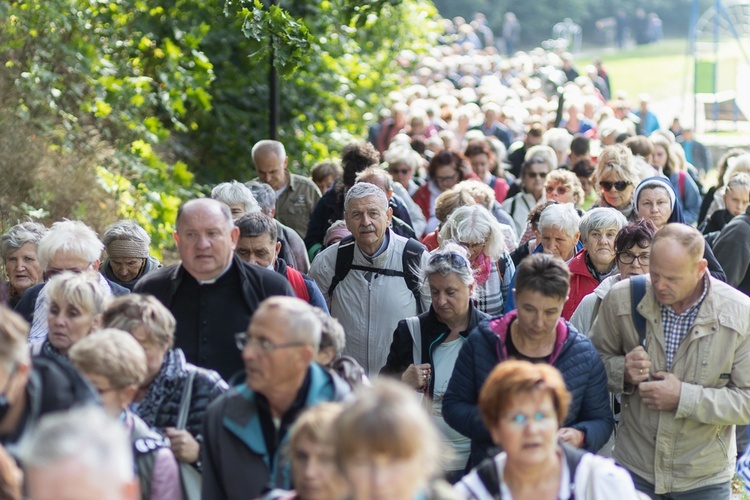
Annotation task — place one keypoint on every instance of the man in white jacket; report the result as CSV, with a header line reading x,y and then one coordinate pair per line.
x,y
373,296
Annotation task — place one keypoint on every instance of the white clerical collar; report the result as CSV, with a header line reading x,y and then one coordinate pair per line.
x,y
213,280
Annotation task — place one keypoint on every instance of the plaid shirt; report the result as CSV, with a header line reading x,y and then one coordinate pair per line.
x,y
676,326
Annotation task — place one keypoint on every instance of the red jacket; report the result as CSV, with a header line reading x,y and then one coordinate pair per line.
x,y
423,198
582,283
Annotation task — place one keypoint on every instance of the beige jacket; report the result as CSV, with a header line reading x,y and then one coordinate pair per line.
x,y
295,205
693,446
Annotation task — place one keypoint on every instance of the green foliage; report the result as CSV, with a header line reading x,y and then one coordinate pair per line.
x,y
351,54
127,73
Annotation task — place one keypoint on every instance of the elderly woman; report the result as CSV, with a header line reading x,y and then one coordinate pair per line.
x,y
533,173
127,259
632,257
596,261
616,177
482,160
445,204
436,337
157,400
311,455
446,169
564,187
484,196
403,162
18,253
523,405
76,303
533,332
478,231
387,447
656,200
664,160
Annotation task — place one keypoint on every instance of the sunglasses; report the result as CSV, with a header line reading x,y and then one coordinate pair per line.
x,y
538,175
456,261
559,190
399,171
619,185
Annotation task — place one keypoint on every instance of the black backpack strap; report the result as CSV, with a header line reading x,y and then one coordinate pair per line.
x,y
573,457
344,258
487,473
411,261
637,291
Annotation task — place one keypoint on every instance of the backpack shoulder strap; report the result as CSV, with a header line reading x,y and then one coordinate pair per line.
x,y
410,262
487,473
415,329
637,291
573,457
344,258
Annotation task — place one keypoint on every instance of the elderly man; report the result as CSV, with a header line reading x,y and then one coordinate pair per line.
x,y
368,278
681,360
67,246
245,429
211,293
128,258
296,196
293,249
30,392
80,455
259,245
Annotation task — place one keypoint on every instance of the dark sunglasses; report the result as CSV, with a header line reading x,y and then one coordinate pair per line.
x,y
619,185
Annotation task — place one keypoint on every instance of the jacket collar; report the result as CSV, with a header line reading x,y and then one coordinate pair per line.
x,y
501,328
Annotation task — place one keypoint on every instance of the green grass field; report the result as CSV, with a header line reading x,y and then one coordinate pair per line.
x,y
662,70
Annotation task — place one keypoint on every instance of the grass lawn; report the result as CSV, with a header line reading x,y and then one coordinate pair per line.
x,y
658,69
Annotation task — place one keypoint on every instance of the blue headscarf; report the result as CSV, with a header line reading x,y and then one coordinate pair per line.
x,y
662,182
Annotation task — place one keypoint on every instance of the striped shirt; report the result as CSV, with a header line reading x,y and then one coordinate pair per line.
x,y
677,326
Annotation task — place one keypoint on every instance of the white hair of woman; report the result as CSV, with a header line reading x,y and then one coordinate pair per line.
x,y
235,193
475,224
69,236
562,216
601,218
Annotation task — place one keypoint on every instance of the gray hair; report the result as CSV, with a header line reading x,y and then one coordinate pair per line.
x,y
302,323
475,224
376,172
332,334
69,236
264,195
558,139
442,262
86,436
235,193
125,230
741,180
601,218
562,216
542,154
404,155
267,146
362,190
257,224
18,236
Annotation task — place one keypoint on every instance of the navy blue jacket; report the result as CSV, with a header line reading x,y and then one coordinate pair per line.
x,y
574,355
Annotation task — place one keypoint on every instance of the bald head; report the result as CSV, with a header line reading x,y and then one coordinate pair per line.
x,y
687,237
205,206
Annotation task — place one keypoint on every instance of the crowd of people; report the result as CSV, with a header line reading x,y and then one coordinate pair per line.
x,y
503,294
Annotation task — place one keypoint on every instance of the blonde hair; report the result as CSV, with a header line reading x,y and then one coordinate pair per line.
x,y
569,180
133,311
618,159
81,290
112,354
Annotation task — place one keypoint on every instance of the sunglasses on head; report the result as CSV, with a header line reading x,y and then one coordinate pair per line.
x,y
456,261
619,185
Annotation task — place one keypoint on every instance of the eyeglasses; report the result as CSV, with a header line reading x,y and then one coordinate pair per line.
x,y
520,420
473,247
241,340
446,178
456,261
399,171
619,185
629,258
559,190
538,175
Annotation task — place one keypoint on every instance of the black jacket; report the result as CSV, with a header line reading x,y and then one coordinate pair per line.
x,y
53,386
209,315
434,333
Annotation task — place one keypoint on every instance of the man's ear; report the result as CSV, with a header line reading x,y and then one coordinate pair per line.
x,y
235,236
95,265
176,237
277,249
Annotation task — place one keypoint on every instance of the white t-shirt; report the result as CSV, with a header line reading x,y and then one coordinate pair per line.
x,y
444,358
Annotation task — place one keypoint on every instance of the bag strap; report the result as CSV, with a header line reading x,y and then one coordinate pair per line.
x,y
410,263
415,329
344,258
573,457
487,473
187,395
637,292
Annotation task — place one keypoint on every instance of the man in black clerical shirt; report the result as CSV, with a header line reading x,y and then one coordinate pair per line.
x,y
211,293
